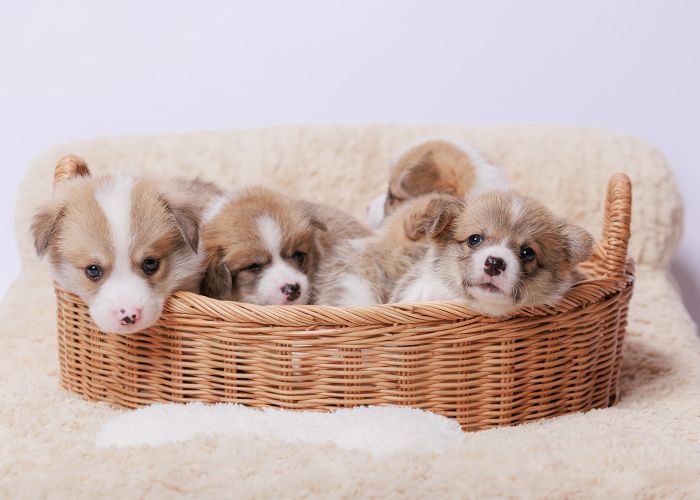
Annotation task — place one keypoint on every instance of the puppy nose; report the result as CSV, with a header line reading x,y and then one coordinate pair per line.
x,y
291,290
128,315
494,265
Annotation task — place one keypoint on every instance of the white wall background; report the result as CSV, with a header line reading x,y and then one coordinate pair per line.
x,y
72,70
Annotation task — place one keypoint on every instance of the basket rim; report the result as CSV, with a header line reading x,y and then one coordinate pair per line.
x,y
605,287
581,295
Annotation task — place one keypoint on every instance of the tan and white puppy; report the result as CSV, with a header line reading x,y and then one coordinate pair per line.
x,y
364,271
122,243
497,251
264,247
443,166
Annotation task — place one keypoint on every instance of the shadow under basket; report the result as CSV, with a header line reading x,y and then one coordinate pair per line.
x,y
438,356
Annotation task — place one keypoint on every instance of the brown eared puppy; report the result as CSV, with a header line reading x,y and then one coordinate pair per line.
x,y
364,271
122,243
497,251
264,247
442,166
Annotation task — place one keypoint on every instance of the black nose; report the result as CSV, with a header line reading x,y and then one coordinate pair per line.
x,y
291,290
494,265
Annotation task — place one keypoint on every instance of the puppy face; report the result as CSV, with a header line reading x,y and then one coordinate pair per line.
x,y
431,167
261,248
120,244
509,251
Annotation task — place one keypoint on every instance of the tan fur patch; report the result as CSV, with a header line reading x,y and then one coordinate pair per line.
x,y
155,233
74,232
83,236
432,215
431,167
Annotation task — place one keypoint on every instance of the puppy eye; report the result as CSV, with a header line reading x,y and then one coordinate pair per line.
x,y
527,254
150,265
299,257
474,240
253,268
93,271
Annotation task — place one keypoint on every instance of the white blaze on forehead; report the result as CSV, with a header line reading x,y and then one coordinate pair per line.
x,y
114,199
215,207
516,210
271,235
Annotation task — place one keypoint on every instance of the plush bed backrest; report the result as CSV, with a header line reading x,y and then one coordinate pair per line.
x,y
565,167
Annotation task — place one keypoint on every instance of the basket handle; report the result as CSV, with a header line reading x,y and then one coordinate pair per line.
x,y
616,227
68,167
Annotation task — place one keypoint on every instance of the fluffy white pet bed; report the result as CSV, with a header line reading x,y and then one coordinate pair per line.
x,y
53,443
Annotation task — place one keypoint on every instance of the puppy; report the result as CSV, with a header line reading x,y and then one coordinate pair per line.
x,y
364,271
121,243
497,251
435,166
263,247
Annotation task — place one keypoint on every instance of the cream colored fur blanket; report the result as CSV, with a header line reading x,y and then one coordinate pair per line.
x,y
648,445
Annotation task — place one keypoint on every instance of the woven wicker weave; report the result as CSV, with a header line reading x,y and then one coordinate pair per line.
x,y
437,356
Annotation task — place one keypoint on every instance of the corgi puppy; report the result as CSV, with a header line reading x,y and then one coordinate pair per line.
x,y
263,247
121,243
435,166
364,271
497,251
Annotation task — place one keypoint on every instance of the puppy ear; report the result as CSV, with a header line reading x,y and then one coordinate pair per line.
x,y
318,223
420,178
579,243
217,281
69,167
186,220
436,219
45,226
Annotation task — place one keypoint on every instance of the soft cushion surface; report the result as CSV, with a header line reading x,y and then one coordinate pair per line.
x,y
648,444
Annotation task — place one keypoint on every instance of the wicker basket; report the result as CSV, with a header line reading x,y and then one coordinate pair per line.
x,y
438,356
